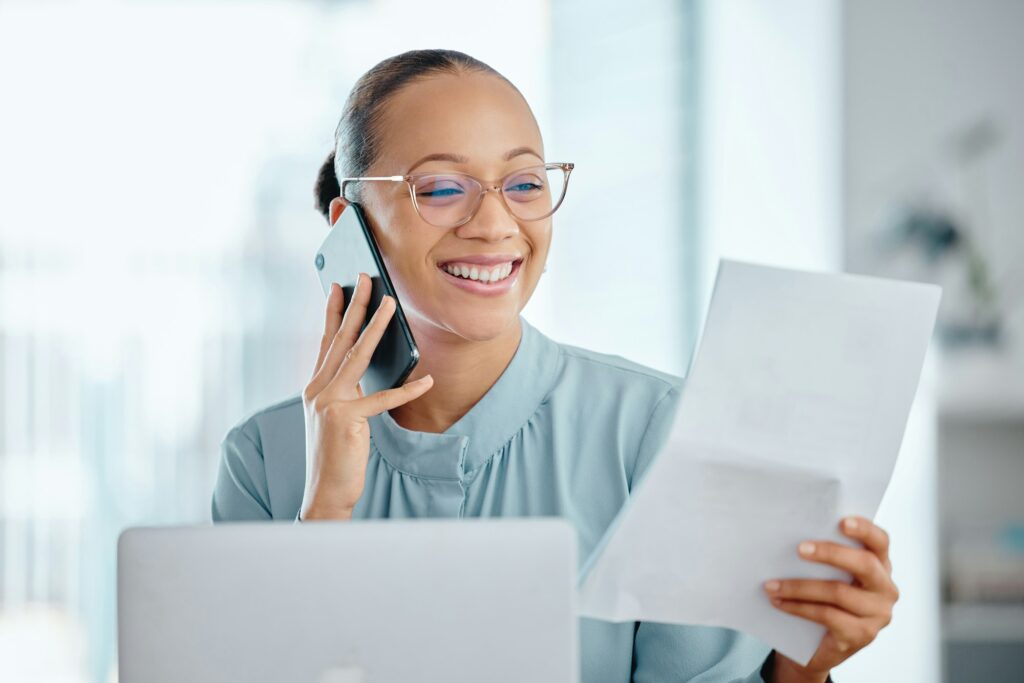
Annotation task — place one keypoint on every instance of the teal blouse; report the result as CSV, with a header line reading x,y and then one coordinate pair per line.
x,y
563,431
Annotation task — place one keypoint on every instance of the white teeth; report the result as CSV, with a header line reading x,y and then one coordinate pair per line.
x,y
481,274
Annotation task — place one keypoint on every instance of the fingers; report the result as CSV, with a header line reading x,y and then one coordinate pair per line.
x,y
848,631
853,613
871,535
865,566
378,402
344,337
335,304
357,358
853,599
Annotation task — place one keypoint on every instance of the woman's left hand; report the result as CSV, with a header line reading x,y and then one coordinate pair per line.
x,y
853,613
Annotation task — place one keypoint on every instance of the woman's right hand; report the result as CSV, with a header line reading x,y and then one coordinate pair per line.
x,y
336,411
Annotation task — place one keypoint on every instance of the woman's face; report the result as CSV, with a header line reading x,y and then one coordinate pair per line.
x,y
481,118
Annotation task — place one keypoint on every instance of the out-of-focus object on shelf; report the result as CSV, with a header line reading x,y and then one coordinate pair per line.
x,y
983,620
986,566
940,229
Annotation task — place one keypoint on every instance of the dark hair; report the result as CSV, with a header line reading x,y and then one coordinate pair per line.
x,y
357,138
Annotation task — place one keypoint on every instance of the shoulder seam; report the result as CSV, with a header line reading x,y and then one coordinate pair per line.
x,y
283,403
255,495
649,372
240,428
643,438
255,414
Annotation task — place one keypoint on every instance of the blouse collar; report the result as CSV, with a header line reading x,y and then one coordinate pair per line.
x,y
516,395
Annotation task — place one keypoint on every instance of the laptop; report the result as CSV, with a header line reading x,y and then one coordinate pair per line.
x,y
376,601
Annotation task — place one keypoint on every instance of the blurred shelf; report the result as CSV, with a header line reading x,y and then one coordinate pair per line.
x,y
981,386
982,621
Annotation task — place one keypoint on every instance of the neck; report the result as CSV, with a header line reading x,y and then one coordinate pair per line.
x,y
463,371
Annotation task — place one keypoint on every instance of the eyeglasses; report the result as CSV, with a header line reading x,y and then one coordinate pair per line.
x,y
448,200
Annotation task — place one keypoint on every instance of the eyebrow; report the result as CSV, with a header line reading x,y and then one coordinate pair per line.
x,y
460,159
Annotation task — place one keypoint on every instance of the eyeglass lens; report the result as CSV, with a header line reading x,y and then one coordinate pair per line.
x,y
531,194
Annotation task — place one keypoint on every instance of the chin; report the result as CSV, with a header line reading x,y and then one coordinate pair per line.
x,y
482,325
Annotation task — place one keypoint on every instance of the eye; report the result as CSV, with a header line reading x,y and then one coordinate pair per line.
x,y
440,189
441,192
437,190
524,185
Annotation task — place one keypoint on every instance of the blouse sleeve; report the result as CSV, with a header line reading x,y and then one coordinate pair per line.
x,y
241,490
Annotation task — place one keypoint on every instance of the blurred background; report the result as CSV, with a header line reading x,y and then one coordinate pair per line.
x,y
157,234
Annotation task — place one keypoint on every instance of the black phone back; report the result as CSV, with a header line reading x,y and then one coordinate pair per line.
x,y
348,250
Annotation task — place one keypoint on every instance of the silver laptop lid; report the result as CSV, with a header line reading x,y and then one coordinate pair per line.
x,y
349,602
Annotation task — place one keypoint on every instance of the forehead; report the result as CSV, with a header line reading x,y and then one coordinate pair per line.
x,y
479,116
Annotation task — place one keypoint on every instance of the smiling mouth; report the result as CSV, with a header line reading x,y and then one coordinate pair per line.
x,y
484,274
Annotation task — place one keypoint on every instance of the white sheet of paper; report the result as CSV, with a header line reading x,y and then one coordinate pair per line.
x,y
791,417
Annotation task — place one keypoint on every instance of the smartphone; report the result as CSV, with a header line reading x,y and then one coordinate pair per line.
x,y
349,249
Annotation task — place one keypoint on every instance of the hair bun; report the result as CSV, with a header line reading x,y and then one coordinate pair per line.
x,y
326,187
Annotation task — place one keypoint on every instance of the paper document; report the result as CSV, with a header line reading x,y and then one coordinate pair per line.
x,y
791,417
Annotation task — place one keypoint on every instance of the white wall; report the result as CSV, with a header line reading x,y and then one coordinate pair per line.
x,y
618,276
769,133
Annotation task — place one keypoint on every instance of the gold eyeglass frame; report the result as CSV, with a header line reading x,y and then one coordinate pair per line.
x,y
410,181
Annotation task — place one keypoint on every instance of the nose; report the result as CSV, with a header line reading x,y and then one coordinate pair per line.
x,y
492,221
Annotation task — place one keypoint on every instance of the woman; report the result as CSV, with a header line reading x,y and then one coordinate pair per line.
x,y
497,419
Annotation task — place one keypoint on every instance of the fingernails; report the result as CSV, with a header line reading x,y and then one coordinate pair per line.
x,y
850,524
806,548
772,585
424,379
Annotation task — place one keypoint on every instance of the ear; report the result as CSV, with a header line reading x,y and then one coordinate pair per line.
x,y
335,208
